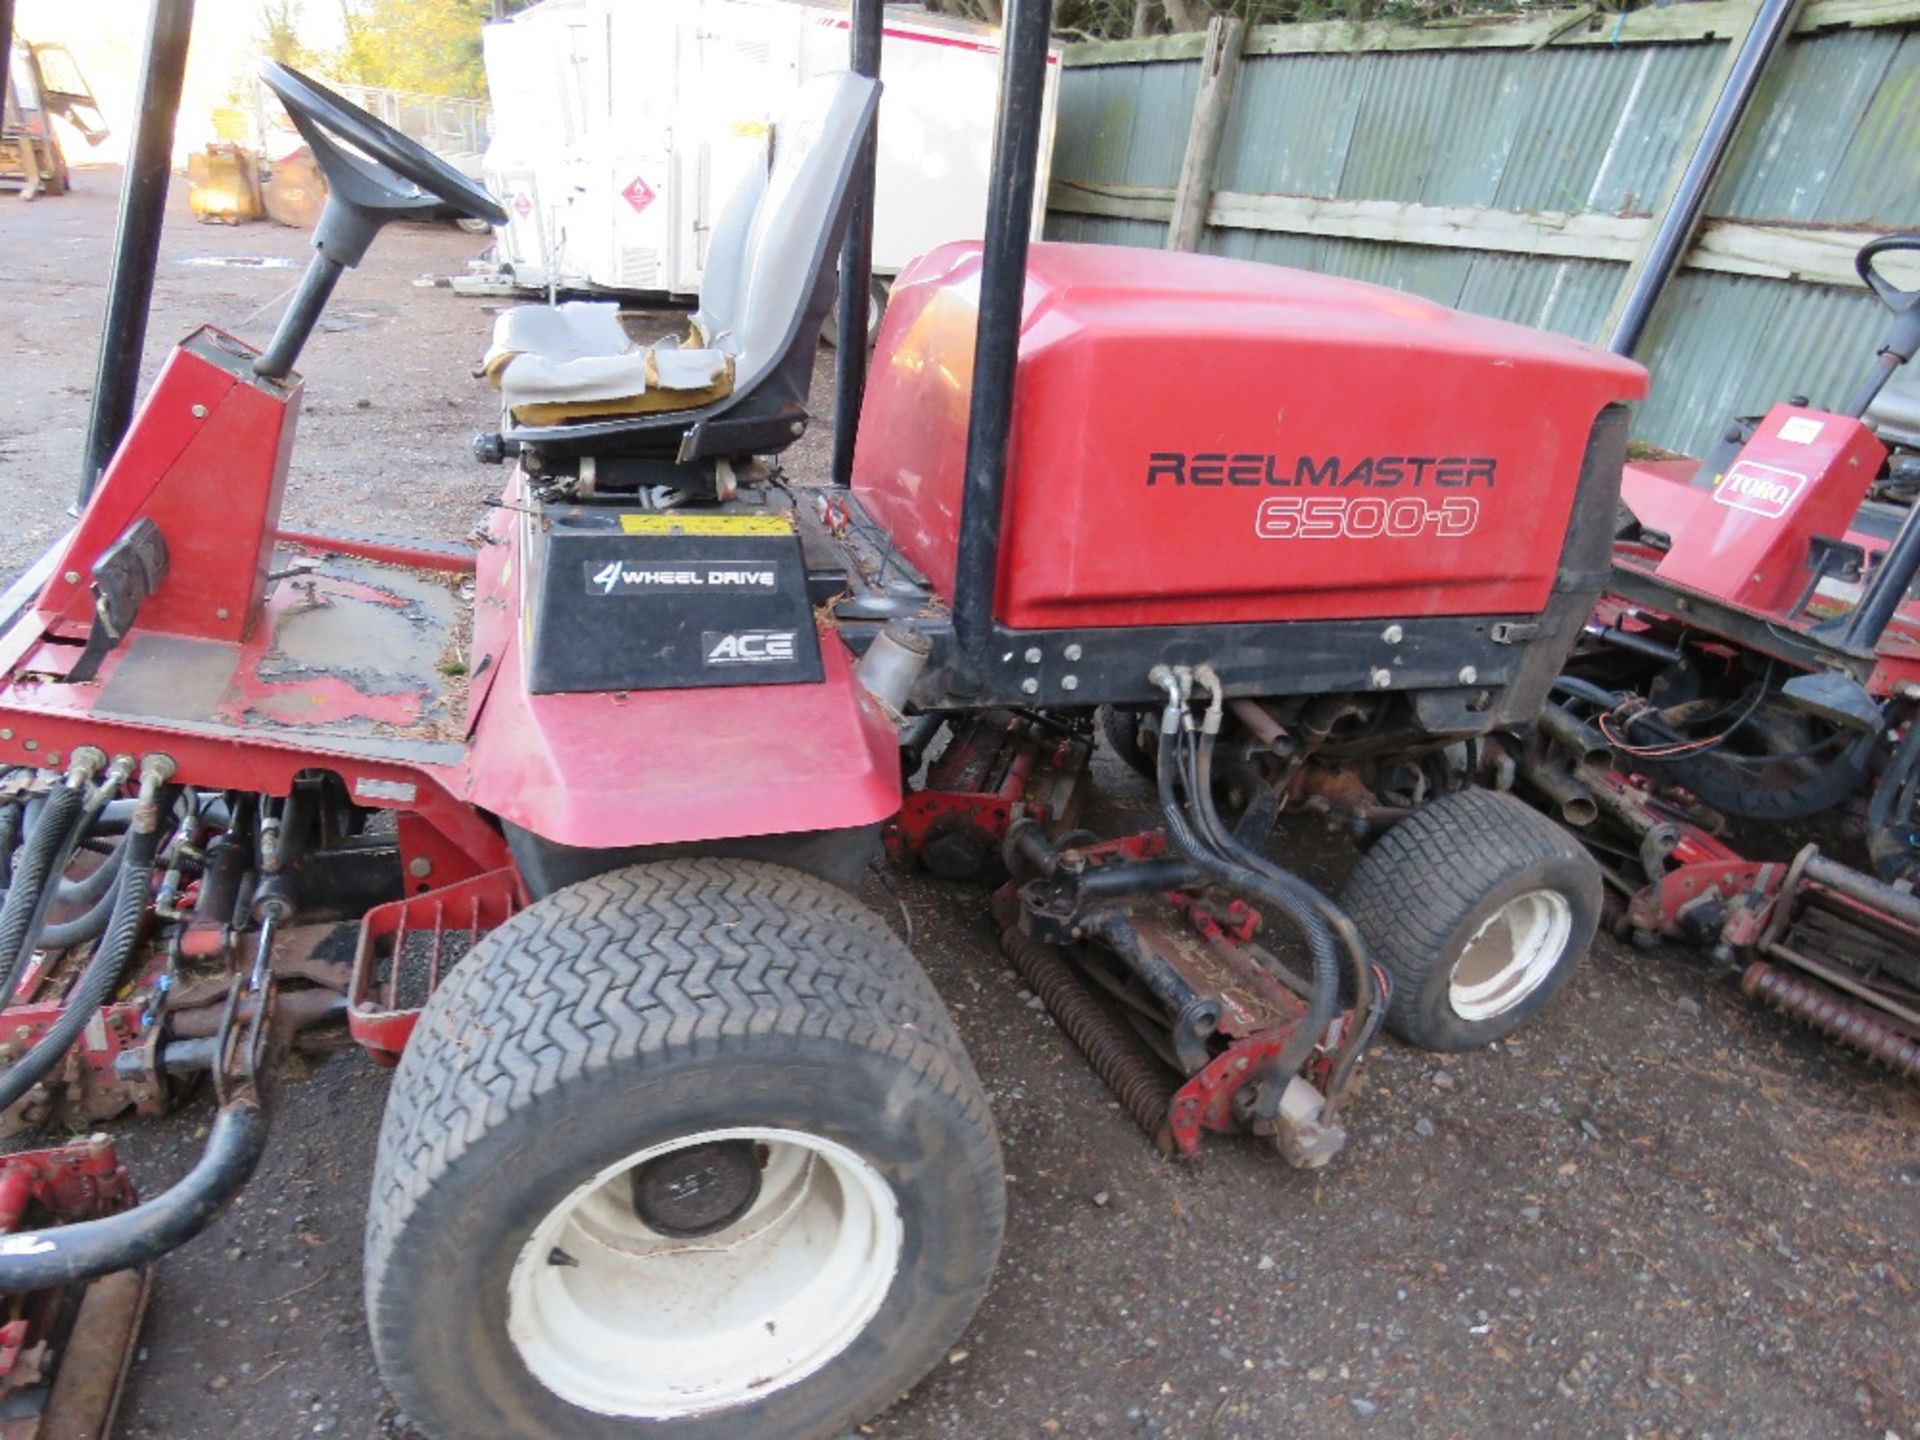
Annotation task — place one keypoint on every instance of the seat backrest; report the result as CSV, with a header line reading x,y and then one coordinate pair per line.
x,y
723,280
770,279
791,244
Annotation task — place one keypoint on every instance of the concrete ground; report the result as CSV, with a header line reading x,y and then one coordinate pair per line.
x,y
1657,1212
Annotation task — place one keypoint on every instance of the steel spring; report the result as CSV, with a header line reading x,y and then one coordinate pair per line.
x,y
1825,1011
1138,1080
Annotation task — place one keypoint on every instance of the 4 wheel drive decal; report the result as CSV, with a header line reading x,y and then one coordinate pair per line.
x,y
1364,517
623,577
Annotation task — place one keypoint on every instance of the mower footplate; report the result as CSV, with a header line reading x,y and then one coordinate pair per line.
x,y
350,655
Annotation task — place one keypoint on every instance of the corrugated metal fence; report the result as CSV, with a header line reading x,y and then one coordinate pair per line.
x,y
1507,168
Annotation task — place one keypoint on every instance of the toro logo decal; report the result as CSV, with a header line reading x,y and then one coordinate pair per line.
x,y
1759,489
638,194
747,647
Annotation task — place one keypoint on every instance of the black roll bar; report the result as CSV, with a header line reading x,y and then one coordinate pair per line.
x,y
1003,280
136,245
6,47
865,28
1674,236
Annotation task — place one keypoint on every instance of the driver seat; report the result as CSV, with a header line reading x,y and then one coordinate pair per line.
x,y
572,384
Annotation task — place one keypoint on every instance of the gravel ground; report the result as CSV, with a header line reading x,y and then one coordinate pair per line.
x,y
1659,1212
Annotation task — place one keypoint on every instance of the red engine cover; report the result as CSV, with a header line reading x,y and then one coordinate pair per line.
x,y
1199,440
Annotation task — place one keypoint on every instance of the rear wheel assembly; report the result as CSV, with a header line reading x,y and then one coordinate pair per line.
x,y
1480,909
688,1149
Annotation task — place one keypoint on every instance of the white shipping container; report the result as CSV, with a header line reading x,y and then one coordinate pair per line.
x,y
621,129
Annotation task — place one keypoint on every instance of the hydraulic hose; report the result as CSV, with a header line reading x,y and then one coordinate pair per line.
x,y
94,884
44,855
1369,999
65,934
9,840
29,817
1231,848
42,1259
103,971
1325,1001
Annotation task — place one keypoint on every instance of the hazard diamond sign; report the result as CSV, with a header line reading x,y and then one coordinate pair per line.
x,y
523,205
638,194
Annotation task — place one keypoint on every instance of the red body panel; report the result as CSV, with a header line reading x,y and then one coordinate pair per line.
x,y
234,679
620,769
1756,558
1803,474
1199,440
221,445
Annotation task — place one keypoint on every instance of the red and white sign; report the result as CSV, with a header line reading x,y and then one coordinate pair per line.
x,y
638,194
522,206
1763,490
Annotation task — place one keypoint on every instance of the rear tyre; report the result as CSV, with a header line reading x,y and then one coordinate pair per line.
x,y
1122,730
1480,909
686,1150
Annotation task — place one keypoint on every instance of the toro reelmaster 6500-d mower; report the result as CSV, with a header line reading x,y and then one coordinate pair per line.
x,y
681,1141
1755,669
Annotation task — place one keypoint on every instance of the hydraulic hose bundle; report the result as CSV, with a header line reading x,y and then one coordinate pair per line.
x,y
38,839
1200,834
128,890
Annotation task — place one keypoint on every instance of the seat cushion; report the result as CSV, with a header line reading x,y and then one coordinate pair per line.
x,y
560,363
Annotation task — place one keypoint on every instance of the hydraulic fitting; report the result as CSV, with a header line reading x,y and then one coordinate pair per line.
x,y
84,764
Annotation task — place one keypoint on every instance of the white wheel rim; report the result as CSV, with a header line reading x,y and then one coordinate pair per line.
x,y
1511,955
647,1326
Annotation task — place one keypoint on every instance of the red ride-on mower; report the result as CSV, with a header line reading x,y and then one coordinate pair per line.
x,y
681,1140
1755,665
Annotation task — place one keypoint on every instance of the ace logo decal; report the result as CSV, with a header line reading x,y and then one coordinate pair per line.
x,y
747,647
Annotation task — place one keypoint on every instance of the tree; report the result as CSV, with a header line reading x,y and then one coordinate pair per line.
x,y
430,46
280,33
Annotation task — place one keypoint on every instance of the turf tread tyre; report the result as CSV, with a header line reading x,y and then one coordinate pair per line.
x,y
677,963
1731,788
1121,730
1427,884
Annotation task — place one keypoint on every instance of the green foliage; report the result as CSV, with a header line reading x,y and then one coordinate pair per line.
x,y
279,35
1116,19
429,46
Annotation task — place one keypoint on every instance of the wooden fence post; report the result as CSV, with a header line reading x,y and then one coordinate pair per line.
x,y
1219,66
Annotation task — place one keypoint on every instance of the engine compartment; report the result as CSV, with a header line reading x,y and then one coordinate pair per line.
x,y
1207,441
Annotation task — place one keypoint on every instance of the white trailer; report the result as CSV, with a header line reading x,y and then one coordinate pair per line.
x,y
620,130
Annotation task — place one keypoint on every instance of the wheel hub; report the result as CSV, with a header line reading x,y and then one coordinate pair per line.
x,y
1513,953
787,1245
699,1190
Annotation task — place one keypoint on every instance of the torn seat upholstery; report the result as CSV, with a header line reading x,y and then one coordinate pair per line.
x,y
573,361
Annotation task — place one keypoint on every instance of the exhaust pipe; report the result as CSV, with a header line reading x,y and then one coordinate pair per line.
x,y
1573,801
1579,739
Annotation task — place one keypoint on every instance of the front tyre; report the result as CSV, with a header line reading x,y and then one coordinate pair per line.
x,y
686,1150
1480,908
